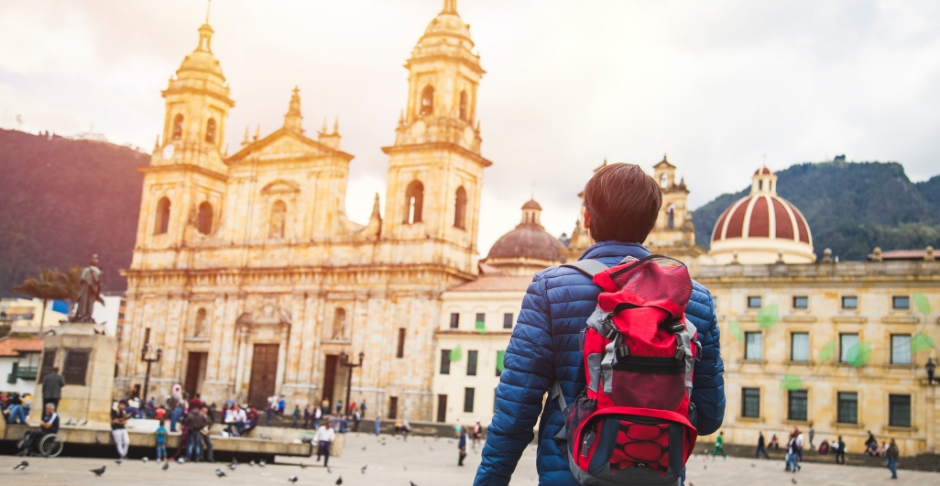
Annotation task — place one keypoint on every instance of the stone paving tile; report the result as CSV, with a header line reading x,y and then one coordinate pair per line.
x,y
425,461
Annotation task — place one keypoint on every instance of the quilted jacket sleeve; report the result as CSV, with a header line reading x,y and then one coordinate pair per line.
x,y
526,377
708,387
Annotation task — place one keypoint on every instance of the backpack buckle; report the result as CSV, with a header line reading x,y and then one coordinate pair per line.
x,y
622,351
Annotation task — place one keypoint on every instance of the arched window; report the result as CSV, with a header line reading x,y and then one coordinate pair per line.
x,y
210,131
664,181
414,200
178,127
463,105
460,209
339,324
204,222
278,219
671,219
427,101
199,328
162,224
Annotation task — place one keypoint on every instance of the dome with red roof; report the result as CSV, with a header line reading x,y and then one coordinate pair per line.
x,y
762,228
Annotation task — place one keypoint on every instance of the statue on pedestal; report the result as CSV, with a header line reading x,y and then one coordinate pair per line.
x,y
89,293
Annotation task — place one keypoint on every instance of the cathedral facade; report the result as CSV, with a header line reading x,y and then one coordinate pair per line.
x,y
247,272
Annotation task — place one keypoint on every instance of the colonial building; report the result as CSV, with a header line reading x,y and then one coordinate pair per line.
x,y
248,273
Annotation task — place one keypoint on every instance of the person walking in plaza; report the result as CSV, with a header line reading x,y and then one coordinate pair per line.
x,y
295,415
812,434
839,449
931,367
799,445
119,418
621,207
362,407
461,446
160,439
196,421
339,407
720,445
324,437
357,417
308,415
477,433
761,449
891,461
52,388
317,414
378,423
792,465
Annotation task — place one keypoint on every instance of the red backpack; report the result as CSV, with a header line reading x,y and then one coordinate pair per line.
x,y
632,425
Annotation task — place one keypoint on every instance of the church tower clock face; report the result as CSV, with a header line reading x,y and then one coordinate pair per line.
x,y
168,151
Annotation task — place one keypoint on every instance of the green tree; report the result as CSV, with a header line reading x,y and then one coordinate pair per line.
x,y
48,284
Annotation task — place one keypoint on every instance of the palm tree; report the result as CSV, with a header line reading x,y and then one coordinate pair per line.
x,y
49,284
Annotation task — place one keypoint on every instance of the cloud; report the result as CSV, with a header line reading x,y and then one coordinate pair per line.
x,y
716,85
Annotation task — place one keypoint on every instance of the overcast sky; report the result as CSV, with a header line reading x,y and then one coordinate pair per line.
x,y
716,85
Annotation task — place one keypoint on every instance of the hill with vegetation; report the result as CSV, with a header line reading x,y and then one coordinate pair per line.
x,y
851,207
61,201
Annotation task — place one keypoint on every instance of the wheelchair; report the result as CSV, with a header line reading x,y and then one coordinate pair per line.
x,y
49,445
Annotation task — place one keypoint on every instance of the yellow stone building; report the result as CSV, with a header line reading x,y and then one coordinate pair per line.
x,y
247,271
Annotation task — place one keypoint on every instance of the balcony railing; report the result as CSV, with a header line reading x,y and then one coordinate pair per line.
x,y
22,373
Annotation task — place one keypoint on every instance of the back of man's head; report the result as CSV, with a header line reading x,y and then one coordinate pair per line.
x,y
622,202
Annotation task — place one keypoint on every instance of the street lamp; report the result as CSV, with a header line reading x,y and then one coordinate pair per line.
x,y
344,361
148,356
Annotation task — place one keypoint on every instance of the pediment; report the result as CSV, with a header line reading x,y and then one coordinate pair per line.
x,y
285,145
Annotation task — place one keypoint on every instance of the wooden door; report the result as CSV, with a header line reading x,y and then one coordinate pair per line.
x,y
195,372
442,408
329,378
263,375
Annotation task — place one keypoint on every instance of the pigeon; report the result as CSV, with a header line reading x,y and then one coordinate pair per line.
x,y
792,480
252,463
219,473
264,437
98,472
412,483
303,466
363,470
328,470
261,463
232,466
84,423
340,480
235,461
22,465
69,422
292,479
144,459
166,465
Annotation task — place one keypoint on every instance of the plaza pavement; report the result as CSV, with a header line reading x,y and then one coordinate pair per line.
x,y
425,461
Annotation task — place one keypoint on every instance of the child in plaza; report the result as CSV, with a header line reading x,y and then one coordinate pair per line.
x,y
160,435
720,445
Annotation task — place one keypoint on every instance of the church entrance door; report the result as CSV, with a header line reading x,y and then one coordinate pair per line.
x,y
263,375
329,379
195,372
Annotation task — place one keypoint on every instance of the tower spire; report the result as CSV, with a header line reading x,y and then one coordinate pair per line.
x,y
293,119
208,5
450,6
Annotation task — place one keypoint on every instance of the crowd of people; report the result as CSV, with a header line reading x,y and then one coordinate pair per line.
x,y
797,441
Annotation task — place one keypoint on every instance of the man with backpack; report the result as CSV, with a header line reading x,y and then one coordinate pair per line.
x,y
639,389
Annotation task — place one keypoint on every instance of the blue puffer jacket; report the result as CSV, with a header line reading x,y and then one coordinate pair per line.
x,y
545,347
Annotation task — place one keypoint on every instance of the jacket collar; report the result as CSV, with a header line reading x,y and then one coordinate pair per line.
x,y
614,248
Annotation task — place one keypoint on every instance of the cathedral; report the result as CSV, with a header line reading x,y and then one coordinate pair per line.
x,y
250,277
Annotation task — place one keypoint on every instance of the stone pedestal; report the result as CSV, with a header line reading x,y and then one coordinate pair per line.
x,y
87,361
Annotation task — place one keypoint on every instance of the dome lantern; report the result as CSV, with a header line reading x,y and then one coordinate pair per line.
x,y
528,248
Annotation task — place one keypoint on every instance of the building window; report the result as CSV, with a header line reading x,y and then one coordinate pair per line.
x,y
177,127
463,105
799,346
414,200
750,402
76,366
460,209
204,221
899,410
210,131
427,101
846,341
850,302
500,362
796,405
200,328
278,219
481,320
454,320
400,353
468,400
48,363
753,344
671,216
507,320
471,363
392,407
753,302
847,412
901,302
162,224
801,302
445,361
901,349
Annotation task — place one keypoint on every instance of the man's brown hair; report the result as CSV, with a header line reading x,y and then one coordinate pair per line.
x,y
623,202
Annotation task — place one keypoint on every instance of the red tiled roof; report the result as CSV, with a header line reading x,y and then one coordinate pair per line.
x,y
760,220
900,255
782,223
495,283
14,346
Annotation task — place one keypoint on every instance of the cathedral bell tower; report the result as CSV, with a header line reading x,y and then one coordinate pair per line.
x,y
184,183
435,171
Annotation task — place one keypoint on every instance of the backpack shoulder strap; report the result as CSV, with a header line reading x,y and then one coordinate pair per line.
x,y
588,267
